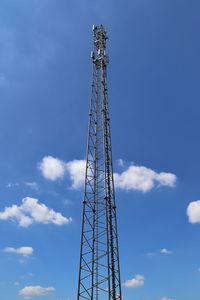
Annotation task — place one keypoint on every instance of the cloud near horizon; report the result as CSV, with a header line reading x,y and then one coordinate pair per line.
x,y
32,211
138,178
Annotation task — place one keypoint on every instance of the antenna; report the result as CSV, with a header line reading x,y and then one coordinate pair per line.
x,y
99,272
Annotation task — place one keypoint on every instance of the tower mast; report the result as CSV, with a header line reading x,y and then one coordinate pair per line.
x,y
99,272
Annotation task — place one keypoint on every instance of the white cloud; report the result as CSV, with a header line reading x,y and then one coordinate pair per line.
x,y
162,251
166,298
135,282
76,169
30,211
30,291
138,178
134,178
25,251
143,179
52,168
165,251
193,212
32,185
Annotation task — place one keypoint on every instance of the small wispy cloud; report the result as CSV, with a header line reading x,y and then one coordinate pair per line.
x,y
27,275
166,298
165,251
32,185
37,291
12,184
120,162
24,251
150,254
66,202
135,282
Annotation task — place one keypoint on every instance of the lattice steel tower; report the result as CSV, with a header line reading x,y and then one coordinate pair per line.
x,y
99,273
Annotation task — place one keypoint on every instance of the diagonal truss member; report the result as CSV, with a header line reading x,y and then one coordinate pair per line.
x,y
99,273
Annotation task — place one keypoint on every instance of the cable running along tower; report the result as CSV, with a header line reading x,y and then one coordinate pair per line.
x,y
99,273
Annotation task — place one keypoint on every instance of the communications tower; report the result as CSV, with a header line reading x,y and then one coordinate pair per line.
x,y
99,272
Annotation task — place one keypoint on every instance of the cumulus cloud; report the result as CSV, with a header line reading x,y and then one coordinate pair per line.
x,y
143,179
135,282
24,251
37,290
52,168
76,169
30,211
193,212
137,178
165,251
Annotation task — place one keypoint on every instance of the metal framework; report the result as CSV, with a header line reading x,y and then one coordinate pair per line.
x,y
99,273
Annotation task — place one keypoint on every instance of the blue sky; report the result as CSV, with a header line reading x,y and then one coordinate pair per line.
x,y
153,76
